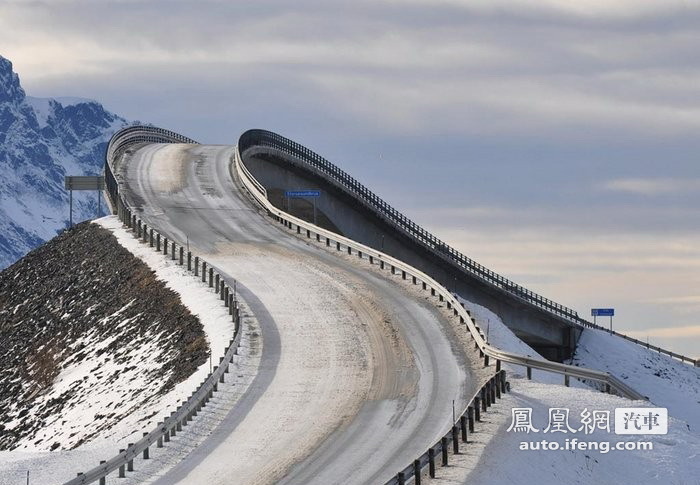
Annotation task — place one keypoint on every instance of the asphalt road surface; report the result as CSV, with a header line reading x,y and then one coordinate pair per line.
x,y
358,375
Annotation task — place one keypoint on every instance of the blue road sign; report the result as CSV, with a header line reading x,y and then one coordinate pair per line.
x,y
602,312
302,193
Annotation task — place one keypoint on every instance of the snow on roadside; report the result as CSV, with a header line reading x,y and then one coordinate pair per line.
x,y
58,466
495,456
673,459
665,381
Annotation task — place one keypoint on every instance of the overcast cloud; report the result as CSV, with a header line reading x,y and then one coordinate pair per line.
x,y
556,143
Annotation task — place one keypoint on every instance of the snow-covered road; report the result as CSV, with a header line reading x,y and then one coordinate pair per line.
x,y
357,375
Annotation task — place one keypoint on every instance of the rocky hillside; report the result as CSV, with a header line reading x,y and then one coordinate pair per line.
x,y
89,335
41,141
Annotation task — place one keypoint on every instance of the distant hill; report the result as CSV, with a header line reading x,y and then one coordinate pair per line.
x,y
41,140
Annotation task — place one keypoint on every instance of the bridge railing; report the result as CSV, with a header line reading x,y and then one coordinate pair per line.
x,y
188,410
256,139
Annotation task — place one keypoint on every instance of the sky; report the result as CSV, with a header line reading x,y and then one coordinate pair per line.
x,y
556,142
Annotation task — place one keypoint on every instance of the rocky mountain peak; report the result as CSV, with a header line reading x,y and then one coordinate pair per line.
x,y
41,141
10,89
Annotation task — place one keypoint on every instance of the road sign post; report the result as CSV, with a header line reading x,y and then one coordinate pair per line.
x,y
92,182
603,312
303,194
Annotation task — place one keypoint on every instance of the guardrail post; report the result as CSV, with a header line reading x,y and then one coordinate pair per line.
x,y
172,250
359,254
432,291
122,473
607,388
470,417
133,222
172,430
431,462
145,450
337,246
308,234
165,246
497,385
226,300
529,373
221,293
492,390
485,403
211,277
130,463
425,286
103,480
150,238
138,231
381,264
158,242
182,255
486,360
566,380
159,443
403,275
196,265
463,426
416,472
401,477
166,436
477,409
371,260
455,439
349,250
204,271
443,442
498,366
415,282
189,261
328,242
145,232
216,284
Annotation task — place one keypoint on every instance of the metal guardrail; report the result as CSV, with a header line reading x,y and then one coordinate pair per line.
x,y
171,425
255,139
460,430
610,382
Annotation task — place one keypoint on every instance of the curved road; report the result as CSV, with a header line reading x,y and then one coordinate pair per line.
x,y
357,376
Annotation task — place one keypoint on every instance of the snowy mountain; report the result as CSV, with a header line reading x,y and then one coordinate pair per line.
x,y
41,141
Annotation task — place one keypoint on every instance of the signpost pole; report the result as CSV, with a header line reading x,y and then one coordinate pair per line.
x,y
70,191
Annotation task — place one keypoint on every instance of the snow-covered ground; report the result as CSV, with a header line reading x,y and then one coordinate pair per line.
x,y
665,381
495,457
56,467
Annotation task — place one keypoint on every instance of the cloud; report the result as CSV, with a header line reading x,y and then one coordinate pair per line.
x,y
652,187
667,332
506,68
